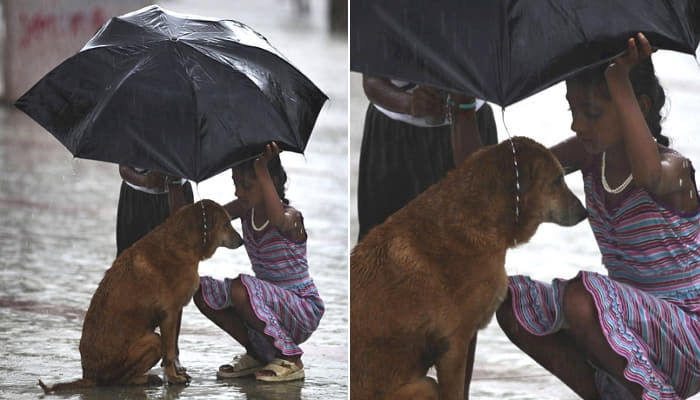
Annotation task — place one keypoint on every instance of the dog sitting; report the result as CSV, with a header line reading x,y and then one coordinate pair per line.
x,y
147,286
433,273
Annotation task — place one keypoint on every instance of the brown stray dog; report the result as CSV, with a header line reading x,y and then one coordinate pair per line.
x,y
433,273
147,286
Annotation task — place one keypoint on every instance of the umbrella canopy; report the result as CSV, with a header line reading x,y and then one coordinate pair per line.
x,y
185,96
506,50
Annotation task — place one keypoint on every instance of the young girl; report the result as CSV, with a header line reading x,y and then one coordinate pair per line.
x,y
634,333
270,313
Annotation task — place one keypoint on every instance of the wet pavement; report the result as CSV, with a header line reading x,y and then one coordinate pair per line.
x,y
57,236
501,370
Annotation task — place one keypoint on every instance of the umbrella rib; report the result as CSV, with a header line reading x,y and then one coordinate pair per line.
x,y
424,49
265,45
505,51
196,126
90,45
686,22
577,23
89,119
207,54
177,47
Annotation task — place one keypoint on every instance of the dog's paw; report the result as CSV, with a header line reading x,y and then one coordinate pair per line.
x,y
178,379
154,380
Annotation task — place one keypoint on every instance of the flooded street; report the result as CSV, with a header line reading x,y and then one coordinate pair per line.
x,y
58,223
501,370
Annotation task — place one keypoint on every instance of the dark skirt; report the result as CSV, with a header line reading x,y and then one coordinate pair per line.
x,y
138,213
398,161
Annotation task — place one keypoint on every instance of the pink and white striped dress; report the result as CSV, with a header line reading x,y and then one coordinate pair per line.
x,y
648,304
282,293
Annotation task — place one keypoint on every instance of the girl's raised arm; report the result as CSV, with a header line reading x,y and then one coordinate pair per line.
x,y
288,221
666,175
641,148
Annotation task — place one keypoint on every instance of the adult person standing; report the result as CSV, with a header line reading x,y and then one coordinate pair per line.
x,y
146,199
408,143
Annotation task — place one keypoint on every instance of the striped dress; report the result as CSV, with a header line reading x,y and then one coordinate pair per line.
x,y
648,304
282,293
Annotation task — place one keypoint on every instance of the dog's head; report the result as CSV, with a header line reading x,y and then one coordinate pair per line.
x,y
215,227
543,193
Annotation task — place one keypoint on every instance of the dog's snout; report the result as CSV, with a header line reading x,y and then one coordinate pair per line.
x,y
233,240
573,211
576,214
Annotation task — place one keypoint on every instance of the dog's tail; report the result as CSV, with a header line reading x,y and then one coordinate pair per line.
x,y
79,384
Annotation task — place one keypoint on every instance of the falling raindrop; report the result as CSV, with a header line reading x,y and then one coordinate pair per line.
x,y
681,182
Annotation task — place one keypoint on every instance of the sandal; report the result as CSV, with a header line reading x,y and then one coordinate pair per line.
x,y
283,370
241,365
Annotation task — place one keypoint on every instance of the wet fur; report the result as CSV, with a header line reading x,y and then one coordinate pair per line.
x,y
147,286
426,279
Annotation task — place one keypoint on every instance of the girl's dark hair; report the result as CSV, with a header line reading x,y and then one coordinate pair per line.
x,y
277,173
644,82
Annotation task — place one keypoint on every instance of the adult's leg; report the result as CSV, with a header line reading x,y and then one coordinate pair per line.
x,y
398,161
137,214
557,352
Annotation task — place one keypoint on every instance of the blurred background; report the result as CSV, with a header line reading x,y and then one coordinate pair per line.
x,y
58,214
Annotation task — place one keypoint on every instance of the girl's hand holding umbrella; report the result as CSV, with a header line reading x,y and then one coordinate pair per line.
x,y
273,205
271,150
637,50
639,145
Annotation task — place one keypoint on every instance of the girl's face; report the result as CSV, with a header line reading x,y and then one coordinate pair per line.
x,y
248,190
594,118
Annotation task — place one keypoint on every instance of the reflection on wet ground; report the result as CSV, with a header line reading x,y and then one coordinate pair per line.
x,y
57,237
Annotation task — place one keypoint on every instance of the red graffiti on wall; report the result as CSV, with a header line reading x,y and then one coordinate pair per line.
x,y
34,26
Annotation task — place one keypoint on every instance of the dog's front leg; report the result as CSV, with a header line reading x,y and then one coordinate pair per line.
x,y
168,333
451,368
470,366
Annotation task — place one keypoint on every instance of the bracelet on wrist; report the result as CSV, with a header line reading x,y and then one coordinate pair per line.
x,y
454,108
169,181
461,106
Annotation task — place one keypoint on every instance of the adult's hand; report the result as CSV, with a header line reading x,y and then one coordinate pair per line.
x,y
427,102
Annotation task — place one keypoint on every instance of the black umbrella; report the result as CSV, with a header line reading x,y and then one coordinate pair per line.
x,y
186,96
506,50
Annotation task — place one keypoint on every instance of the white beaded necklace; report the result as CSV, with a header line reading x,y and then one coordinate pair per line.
x,y
607,187
252,221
